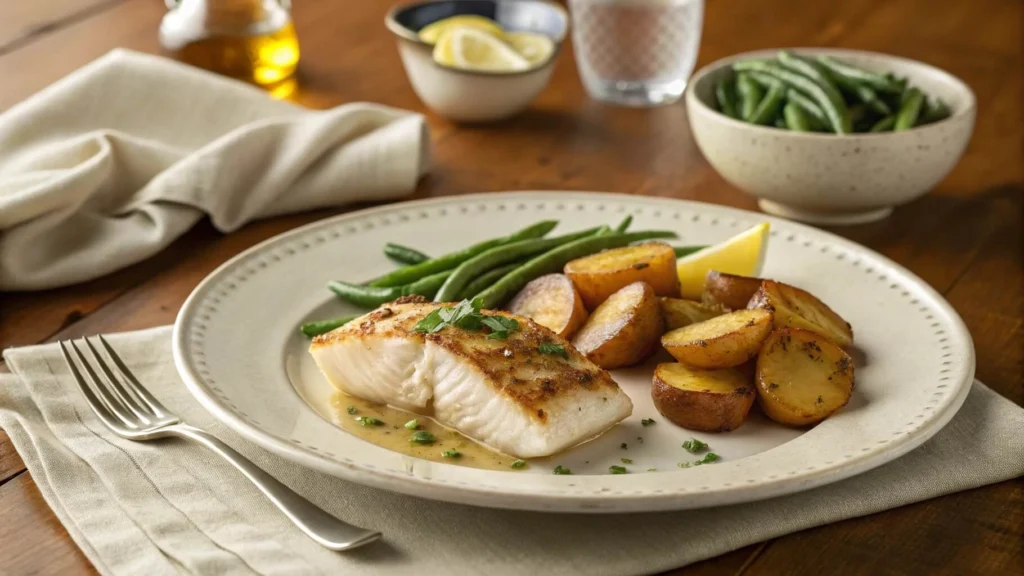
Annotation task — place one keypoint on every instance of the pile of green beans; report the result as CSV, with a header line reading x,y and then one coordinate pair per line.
x,y
822,94
494,270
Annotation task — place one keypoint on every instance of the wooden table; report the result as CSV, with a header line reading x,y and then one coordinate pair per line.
x,y
964,238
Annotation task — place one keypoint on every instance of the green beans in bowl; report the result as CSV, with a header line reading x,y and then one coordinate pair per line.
x,y
829,136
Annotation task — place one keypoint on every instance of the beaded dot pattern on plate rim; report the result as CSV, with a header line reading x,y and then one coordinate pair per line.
x,y
245,267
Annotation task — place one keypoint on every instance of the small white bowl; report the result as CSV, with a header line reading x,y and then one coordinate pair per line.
x,y
826,178
475,96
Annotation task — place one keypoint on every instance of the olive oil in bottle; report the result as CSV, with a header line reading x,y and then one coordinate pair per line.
x,y
250,40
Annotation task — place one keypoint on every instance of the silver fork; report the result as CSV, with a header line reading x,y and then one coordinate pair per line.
x,y
131,412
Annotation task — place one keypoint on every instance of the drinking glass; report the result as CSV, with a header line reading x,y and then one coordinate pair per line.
x,y
636,52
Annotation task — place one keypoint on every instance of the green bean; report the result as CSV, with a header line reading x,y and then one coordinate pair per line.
x,y
796,119
750,93
835,110
909,111
884,125
365,296
813,70
934,111
312,329
404,254
857,113
624,224
553,261
470,269
373,296
451,260
875,81
863,93
808,106
725,93
768,109
684,251
486,279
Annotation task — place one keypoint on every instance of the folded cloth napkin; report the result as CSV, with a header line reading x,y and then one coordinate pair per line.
x,y
113,162
172,507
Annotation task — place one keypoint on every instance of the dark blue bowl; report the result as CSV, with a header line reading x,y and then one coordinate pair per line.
x,y
513,15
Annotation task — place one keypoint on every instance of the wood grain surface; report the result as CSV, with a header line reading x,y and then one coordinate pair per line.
x,y
965,238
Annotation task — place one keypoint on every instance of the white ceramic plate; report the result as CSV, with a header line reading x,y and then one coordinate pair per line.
x,y
237,346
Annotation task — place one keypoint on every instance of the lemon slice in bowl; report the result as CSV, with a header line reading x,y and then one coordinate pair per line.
x,y
743,254
432,32
536,48
472,49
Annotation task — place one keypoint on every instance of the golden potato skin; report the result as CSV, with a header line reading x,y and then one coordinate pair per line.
x,y
679,312
728,291
553,302
698,399
624,329
600,275
802,377
721,342
796,308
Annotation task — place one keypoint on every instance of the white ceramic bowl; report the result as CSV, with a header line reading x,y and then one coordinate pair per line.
x,y
826,178
475,96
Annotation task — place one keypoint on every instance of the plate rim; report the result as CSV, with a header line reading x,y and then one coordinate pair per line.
x,y
567,502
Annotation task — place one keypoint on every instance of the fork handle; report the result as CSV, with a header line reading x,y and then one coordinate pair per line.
x,y
325,529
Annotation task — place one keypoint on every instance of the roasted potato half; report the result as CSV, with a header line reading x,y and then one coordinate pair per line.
x,y
553,302
796,308
721,342
698,399
600,275
728,291
802,377
624,329
679,313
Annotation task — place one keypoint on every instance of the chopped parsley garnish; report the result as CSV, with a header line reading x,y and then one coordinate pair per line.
x,y
423,437
562,471
352,410
623,446
413,424
552,349
695,446
519,464
652,469
707,459
500,326
451,454
626,460
467,316
369,421
647,422
617,469
641,265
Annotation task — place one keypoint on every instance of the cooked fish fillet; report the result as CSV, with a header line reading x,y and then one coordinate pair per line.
x,y
505,394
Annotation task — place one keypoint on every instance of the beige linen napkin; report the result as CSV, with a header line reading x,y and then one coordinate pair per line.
x,y
110,164
172,507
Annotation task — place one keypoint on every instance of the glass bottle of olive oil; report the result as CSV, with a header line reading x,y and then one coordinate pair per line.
x,y
251,40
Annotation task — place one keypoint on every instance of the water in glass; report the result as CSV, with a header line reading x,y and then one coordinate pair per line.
x,y
636,52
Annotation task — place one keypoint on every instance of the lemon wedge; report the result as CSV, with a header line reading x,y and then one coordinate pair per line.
x,y
472,49
743,254
536,48
432,32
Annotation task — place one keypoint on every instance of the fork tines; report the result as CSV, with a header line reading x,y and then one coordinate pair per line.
x,y
118,400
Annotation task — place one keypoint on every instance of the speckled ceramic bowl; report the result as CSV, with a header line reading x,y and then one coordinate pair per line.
x,y
825,178
470,95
